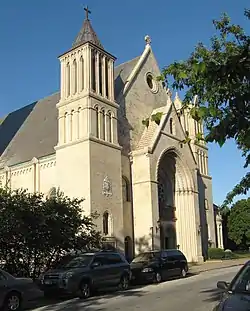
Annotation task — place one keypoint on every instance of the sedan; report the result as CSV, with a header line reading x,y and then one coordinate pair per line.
x,y
236,295
15,292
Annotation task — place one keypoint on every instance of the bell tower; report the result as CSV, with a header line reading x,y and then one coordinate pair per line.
x,y
88,153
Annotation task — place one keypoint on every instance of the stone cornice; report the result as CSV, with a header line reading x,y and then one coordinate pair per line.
x,y
85,139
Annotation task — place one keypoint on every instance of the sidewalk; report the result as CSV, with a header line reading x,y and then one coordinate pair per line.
x,y
217,264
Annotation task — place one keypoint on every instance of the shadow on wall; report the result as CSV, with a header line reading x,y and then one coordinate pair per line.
x,y
11,124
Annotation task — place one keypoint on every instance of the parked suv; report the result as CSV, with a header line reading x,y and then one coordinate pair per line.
x,y
156,266
87,272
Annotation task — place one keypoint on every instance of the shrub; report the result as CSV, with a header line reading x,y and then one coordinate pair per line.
x,y
216,253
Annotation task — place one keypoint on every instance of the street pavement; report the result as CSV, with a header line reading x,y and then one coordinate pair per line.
x,y
194,293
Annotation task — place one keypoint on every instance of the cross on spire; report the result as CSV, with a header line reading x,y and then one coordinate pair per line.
x,y
86,9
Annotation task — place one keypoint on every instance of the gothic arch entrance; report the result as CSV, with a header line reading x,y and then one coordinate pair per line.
x,y
176,204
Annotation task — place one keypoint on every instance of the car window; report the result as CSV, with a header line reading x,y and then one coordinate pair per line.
x,y
242,282
113,259
80,261
100,259
144,257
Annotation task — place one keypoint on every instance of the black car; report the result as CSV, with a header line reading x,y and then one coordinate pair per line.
x,y
87,272
236,296
156,266
16,292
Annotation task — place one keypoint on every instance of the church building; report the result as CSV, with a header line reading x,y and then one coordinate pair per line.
x,y
89,140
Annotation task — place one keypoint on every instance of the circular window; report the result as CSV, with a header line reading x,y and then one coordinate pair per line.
x,y
152,84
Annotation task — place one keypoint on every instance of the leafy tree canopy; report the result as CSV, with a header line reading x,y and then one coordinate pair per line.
x,y
239,223
219,77
36,232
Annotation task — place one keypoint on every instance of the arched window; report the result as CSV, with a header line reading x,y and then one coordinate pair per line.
x,y
93,70
107,77
52,193
68,78
82,72
97,121
171,126
105,223
100,74
109,127
66,129
75,76
102,124
125,189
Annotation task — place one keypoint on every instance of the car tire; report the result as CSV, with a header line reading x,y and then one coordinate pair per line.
x,y
157,277
124,282
84,290
12,302
183,272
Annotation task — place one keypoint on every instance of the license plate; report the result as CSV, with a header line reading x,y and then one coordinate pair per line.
x,y
48,282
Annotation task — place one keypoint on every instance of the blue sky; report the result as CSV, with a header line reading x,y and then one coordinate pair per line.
x,y
34,33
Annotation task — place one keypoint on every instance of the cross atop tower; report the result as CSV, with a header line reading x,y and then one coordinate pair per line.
x,y
86,9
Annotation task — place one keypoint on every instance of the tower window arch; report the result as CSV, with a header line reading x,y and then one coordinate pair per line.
x,y
125,189
93,70
68,78
107,223
96,121
171,126
52,193
100,74
102,124
109,127
82,73
75,76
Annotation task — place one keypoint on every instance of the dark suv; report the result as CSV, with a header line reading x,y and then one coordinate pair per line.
x,y
156,266
87,272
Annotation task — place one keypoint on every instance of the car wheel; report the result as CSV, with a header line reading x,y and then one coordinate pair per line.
x,y
157,277
12,302
124,282
84,290
183,272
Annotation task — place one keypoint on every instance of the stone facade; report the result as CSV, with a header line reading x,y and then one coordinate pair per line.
x,y
151,190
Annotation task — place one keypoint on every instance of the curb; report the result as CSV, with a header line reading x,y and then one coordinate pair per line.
x,y
217,268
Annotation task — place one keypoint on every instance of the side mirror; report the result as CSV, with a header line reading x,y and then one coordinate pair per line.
x,y
95,265
222,285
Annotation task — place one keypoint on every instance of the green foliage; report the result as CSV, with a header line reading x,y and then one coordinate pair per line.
x,y
154,118
239,223
220,78
36,232
215,253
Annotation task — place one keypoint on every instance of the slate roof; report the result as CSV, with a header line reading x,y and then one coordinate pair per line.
x,y
32,131
87,34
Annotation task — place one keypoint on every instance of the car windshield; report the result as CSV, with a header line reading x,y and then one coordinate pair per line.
x,y
242,283
144,257
80,261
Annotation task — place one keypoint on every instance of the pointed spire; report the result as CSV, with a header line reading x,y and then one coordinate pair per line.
x,y
87,33
177,101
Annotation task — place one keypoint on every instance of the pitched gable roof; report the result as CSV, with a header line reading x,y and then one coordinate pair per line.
x,y
32,131
36,136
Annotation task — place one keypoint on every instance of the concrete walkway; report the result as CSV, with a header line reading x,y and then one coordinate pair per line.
x,y
217,264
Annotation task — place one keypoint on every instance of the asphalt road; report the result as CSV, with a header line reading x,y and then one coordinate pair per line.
x,y
195,293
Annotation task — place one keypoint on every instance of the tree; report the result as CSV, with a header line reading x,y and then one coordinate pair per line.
x,y
219,77
35,233
239,223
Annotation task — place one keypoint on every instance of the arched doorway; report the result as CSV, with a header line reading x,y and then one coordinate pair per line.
x,y
166,200
177,209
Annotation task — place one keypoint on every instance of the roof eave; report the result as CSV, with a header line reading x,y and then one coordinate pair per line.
x,y
92,45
